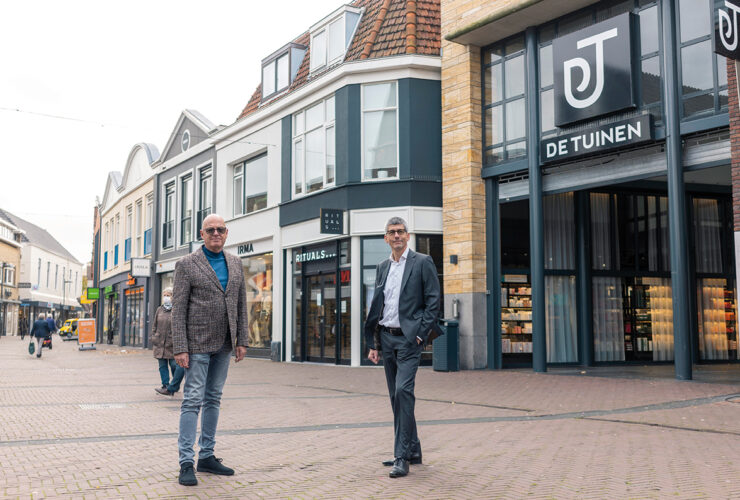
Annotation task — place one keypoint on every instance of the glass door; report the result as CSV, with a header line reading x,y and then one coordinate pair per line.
x,y
321,318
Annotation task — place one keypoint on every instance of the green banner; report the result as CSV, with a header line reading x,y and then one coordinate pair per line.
x,y
108,289
93,293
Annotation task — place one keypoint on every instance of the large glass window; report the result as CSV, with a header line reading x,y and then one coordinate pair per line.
x,y
313,148
186,209
129,230
258,280
505,118
238,189
703,73
148,221
379,131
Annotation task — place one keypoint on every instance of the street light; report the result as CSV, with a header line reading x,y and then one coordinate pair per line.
x,y
64,296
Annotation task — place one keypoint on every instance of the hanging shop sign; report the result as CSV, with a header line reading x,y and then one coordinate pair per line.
x,y
726,30
93,293
593,70
332,221
597,139
141,268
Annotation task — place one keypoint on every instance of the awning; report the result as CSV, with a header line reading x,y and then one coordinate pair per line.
x,y
513,19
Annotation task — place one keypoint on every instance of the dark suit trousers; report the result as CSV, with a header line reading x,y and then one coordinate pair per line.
x,y
401,361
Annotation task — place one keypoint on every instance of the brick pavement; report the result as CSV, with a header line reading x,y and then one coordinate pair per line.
x,y
89,425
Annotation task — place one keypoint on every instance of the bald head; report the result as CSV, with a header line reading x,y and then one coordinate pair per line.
x,y
214,232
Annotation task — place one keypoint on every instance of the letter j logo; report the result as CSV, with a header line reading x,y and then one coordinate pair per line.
x,y
580,62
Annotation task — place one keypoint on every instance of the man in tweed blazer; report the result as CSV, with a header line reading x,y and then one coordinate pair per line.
x,y
209,318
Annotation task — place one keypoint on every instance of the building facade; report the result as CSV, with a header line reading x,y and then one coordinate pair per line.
x,y
126,236
184,195
50,278
588,183
342,134
10,264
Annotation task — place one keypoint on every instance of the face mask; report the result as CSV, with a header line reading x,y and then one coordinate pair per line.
x,y
167,300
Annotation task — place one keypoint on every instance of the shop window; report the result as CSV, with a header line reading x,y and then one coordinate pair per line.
x,y
314,163
703,73
380,131
504,109
258,280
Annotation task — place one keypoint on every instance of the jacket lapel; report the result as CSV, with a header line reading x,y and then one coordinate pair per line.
x,y
231,266
385,266
407,268
205,266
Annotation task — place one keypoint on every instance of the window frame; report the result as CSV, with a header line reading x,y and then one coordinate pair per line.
x,y
181,208
325,125
170,183
242,175
205,173
716,89
504,100
362,132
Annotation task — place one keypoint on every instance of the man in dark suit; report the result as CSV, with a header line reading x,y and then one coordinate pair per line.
x,y
209,318
402,313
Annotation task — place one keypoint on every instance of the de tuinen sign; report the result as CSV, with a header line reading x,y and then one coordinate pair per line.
x,y
594,76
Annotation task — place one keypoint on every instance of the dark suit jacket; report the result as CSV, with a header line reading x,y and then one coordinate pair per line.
x,y
40,328
203,313
418,304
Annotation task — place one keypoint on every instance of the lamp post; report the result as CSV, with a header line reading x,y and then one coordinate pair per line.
x,y
64,297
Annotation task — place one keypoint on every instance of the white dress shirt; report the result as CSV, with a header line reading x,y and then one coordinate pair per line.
x,y
392,291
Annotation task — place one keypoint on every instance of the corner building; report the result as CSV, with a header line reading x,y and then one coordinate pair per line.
x,y
342,133
588,186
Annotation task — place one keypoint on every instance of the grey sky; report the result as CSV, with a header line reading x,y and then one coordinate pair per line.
x,y
121,72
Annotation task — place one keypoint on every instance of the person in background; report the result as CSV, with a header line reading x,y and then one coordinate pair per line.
x,y
52,325
162,338
22,327
162,346
40,330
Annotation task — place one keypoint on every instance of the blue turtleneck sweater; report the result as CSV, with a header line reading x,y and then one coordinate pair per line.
x,y
218,263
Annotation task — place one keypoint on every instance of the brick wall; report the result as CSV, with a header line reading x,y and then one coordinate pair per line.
x,y
734,141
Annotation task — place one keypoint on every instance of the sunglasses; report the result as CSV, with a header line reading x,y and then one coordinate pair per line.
x,y
211,230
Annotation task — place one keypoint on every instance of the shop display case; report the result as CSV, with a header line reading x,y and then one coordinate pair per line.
x,y
516,319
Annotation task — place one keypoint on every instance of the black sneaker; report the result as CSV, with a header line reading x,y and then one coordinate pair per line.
x,y
187,475
213,465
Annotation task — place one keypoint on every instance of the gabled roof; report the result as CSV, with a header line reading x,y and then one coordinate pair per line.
x,y
37,236
205,126
387,28
112,185
152,154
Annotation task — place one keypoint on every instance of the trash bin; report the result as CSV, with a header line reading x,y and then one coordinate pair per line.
x,y
446,348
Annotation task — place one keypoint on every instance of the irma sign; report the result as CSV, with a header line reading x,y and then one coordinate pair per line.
x,y
593,71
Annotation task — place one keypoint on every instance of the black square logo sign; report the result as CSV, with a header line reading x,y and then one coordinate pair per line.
x,y
593,70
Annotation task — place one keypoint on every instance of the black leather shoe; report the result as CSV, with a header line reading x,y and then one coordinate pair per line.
x,y
163,392
400,468
213,465
415,460
187,475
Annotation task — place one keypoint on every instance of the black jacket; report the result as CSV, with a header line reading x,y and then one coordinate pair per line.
x,y
40,328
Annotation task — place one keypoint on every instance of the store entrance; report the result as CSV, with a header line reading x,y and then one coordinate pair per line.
x,y
321,318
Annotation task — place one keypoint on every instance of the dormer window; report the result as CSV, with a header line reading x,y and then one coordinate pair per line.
x,y
280,68
331,37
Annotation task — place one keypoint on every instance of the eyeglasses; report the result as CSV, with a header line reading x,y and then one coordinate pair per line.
x,y
211,230
399,232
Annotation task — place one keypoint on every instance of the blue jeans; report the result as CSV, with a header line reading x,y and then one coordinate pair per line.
x,y
165,365
177,377
204,383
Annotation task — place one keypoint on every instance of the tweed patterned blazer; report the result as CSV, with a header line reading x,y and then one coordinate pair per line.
x,y
203,313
